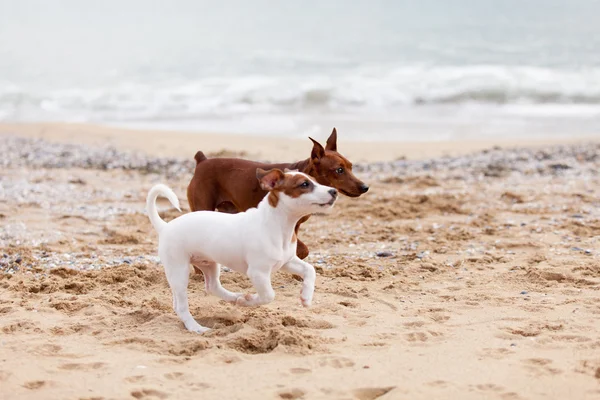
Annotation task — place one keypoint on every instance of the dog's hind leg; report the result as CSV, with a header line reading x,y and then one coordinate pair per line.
x,y
178,276
261,280
307,272
227,207
212,282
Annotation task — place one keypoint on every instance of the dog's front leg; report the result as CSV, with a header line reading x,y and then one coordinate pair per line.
x,y
307,273
301,249
261,280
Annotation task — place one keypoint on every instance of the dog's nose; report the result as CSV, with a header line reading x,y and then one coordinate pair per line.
x,y
333,193
364,188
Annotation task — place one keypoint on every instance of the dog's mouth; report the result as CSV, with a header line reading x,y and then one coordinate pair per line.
x,y
328,204
349,194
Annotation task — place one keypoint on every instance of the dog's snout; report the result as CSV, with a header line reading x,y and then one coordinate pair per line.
x,y
364,188
333,193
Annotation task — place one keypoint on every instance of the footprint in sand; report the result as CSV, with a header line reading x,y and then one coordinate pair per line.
x,y
301,323
5,310
149,394
591,367
489,387
291,394
386,335
175,376
371,393
230,359
439,317
48,350
198,386
172,361
541,366
34,385
499,390
82,366
135,379
21,326
416,337
496,353
414,324
336,362
375,344
422,337
300,370
182,377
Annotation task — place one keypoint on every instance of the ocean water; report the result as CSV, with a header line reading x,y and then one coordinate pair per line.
x,y
377,70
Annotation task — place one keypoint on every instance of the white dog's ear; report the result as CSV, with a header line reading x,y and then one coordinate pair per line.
x,y
269,180
289,170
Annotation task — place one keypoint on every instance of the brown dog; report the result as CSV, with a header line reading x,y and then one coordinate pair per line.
x,y
230,184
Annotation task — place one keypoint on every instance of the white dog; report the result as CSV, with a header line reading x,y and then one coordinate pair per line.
x,y
257,242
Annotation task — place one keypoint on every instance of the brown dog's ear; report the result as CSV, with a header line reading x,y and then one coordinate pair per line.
x,y
317,151
332,141
269,179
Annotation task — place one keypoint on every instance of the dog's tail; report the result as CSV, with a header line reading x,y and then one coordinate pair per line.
x,y
164,191
199,157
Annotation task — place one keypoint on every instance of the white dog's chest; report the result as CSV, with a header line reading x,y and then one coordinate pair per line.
x,y
287,253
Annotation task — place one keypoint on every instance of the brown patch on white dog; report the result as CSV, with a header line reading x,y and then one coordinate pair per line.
x,y
292,184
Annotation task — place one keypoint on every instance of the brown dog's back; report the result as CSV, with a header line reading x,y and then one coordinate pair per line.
x,y
225,182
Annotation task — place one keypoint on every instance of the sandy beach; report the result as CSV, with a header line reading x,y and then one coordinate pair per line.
x,y
468,271
178,144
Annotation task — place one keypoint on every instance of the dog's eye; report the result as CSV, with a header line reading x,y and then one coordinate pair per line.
x,y
304,184
340,170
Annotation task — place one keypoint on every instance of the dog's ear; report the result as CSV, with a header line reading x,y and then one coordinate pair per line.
x,y
317,151
269,179
332,141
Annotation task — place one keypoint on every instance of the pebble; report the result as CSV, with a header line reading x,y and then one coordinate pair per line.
x,y
79,261
524,292
384,254
38,153
551,160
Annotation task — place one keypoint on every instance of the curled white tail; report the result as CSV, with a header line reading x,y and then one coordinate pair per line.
x,y
164,191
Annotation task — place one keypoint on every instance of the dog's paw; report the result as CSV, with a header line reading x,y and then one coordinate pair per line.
x,y
306,297
234,298
195,327
306,301
246,300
